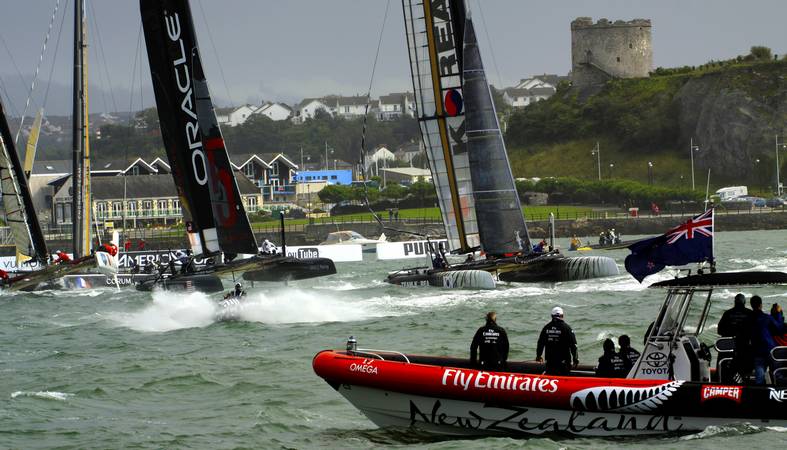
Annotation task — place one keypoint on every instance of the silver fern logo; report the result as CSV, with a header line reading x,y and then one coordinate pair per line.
x,y
624,399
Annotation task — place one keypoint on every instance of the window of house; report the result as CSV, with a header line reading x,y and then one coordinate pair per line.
x,y
251,203
325,177
131,208
346,109
117,209
618,58
59,213
275,169
333,177
176,207
101,209
161,207
135,170
248,169
67,212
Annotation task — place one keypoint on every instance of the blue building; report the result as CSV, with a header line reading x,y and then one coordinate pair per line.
x,y
344,177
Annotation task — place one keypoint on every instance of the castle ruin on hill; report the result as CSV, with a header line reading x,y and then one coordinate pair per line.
x,y
605,49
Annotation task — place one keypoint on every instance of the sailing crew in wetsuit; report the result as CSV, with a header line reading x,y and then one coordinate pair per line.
x,y
558,344
629,354
611,364
492,341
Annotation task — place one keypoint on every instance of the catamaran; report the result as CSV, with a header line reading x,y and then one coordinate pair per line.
x,y
22,219
216,220
467,156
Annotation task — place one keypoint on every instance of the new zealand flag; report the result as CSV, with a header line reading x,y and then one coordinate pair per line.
x,y
687,243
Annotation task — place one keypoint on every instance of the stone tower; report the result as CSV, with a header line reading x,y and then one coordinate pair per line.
x,y
604,50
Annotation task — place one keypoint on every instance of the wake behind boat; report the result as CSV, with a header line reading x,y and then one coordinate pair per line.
x,y
671,388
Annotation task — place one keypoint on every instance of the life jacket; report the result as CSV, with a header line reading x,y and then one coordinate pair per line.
x,y
110,248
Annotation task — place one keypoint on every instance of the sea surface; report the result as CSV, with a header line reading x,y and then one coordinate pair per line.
x,y
125,369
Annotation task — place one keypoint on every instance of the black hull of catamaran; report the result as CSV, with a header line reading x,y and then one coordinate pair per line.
x,y
547,268
288,269
555,268
200,282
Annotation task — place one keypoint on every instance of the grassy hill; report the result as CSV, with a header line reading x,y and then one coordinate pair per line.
x,y
731,108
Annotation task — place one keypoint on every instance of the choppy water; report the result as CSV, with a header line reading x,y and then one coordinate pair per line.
x,y
111,369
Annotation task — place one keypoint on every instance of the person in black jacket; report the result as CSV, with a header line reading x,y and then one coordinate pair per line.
x,y
558,344
737,323
629,354
611,364
489,349
737,319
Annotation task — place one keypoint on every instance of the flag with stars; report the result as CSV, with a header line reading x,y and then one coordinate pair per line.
x,y
684,244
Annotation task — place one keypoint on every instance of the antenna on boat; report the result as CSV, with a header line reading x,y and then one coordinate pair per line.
x,y
707,190
283,239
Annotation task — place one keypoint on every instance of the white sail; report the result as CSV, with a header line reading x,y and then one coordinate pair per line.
x,y
435,59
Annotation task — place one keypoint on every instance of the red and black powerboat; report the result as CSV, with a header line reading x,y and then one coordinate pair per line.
x,y
672,388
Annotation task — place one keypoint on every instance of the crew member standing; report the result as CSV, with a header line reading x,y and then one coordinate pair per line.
x,y
736,323
492,341
558,344
764,328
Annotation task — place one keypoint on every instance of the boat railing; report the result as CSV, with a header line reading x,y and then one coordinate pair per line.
x,y
376,353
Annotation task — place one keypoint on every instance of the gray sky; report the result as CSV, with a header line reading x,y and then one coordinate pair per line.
x,y
289,49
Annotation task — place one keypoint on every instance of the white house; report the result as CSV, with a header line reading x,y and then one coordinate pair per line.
x,y
237,116
376,159
521,97
308,107
352,107
274,111
394,105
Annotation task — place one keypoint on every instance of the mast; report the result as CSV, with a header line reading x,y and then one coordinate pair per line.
x,y
80,214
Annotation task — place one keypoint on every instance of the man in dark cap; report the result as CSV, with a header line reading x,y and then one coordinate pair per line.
x,y
492,341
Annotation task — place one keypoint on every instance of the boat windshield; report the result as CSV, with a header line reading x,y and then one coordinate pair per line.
x,y
686,311
672,316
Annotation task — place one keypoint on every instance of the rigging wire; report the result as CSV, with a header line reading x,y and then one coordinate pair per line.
x,y
99,79
54,58
38,68
9,102
215,52
363,133
100,52
13,62
489,44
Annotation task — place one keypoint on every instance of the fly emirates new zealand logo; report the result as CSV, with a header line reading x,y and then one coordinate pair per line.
x,y
508,382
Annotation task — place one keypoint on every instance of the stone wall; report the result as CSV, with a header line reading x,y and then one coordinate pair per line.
x,y
618,49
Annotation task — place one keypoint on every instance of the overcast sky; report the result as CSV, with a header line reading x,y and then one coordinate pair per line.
x,y
290,49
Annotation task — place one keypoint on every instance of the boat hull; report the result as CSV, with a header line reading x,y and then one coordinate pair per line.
x,y
207,283
551,269
452,279
287,269
452,417
449,396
